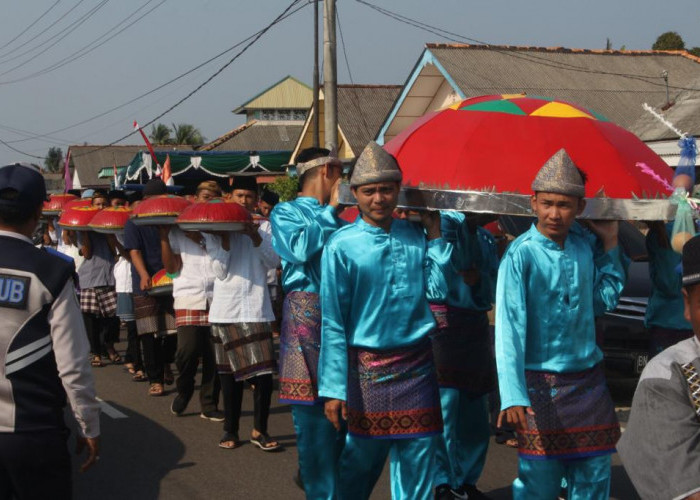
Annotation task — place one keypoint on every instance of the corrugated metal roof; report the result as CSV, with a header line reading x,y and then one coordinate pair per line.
x,y
89,160
288,93
255,136
362,110
612,83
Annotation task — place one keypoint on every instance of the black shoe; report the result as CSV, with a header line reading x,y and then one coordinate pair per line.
x,y
443,492
470,492
213,415
178,405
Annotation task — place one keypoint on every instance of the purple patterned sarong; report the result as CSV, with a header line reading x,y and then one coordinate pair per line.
x,y
574,416
393,394
462,349
300,345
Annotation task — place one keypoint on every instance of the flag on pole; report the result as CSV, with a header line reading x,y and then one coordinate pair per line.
x,y
148,145
116,177
67,179
167,175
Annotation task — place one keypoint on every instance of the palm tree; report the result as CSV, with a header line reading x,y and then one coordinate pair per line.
x,y
186,133
160,134
54,160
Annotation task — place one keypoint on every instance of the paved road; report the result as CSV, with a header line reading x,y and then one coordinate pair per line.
x,y
148,453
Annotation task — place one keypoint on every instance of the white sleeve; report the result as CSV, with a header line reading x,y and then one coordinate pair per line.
x,y
268,256
70,346
218,256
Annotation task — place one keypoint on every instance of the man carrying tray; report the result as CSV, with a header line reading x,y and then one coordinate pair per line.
x,y
376,366
552,282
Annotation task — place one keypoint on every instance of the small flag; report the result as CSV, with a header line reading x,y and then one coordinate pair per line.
x,y
167,176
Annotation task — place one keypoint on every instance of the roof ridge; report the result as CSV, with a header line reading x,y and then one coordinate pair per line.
x,y
368,85
563,50
288,77
225,137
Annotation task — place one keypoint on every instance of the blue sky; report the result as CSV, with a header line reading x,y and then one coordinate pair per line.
x,y
179,35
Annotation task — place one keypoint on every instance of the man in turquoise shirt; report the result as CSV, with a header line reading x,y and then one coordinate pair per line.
x,y
552,282
300,230
464,357
376,366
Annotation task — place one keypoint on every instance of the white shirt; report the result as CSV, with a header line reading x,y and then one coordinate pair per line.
x,y
122,272
266,227
240,290
194,286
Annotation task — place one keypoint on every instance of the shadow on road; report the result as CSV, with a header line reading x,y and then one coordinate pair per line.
x,y
136,454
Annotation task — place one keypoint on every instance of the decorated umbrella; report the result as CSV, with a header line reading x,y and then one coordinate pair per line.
x,y
161,284
110,220
77,217
213,215
158,210
78,202
56,203
482,154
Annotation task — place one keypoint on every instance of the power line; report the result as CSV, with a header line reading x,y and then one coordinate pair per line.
x,y
159,87
260,33
85,50
22,32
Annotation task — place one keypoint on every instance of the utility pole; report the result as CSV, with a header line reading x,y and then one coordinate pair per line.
x,y
317,111
330,71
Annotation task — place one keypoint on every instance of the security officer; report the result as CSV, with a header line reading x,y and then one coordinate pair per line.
x,y
43,352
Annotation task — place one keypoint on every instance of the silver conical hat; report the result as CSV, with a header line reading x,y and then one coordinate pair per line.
x,y
559,175
375,165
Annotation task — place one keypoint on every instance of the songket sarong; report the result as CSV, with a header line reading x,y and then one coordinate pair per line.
x,y
191,317
154,315
464,357
574,416
393,394
300,345
244,349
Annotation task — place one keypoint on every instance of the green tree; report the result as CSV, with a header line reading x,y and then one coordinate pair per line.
x,y
285,187
695,51
669,41
186,133
54,160
160,134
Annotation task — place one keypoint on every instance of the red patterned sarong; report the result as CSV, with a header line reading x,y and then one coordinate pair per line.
x,y
393,394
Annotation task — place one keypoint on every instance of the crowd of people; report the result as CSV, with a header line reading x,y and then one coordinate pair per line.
x,y
385,340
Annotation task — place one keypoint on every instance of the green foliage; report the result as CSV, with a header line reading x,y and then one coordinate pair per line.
x,y
160,134
695,51
186,133
669,41
54,160
285,187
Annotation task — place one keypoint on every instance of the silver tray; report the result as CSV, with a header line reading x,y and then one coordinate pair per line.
x,y
107,230
158,291
211,226
519,204
155,220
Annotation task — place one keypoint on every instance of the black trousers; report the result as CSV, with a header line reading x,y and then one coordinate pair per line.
x,y
233,400
101,332
157,351
133,347
193,342
35,465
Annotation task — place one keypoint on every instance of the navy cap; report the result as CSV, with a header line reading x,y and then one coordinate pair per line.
x,y
27,181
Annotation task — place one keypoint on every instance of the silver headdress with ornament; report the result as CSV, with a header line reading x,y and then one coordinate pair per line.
x,y
560,175
331,159
375,165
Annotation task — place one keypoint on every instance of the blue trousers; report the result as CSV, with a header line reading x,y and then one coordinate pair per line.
x,y
319,446
586,478
460,454
411,461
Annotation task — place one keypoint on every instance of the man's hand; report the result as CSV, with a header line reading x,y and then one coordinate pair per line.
x,y
163,231
93,448
332,408
251,230
606,231
145,283
515,415
431,223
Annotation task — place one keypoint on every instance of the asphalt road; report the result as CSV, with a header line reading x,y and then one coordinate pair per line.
x,y
148,453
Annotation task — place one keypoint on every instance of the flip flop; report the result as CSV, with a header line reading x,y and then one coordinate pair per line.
x,y
96,361
139,376
156,389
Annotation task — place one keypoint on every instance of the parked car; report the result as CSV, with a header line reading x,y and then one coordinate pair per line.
x,y
621,333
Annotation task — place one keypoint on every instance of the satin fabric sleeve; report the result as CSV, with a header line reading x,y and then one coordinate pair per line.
x,y
436,267
335,307
511,330
297,241
610,278
219,257
268,256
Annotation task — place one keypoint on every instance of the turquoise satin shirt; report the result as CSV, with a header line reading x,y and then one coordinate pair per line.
x,y
665,308
300,229
547,299
471,249
373,293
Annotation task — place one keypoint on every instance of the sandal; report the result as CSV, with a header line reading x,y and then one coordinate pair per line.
x,y
168,376
130,368
229,441
265,442
96,361
156,389
115,358
139,376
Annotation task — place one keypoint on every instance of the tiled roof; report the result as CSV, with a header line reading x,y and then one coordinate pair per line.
x,y
254,136
362,110
613,83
